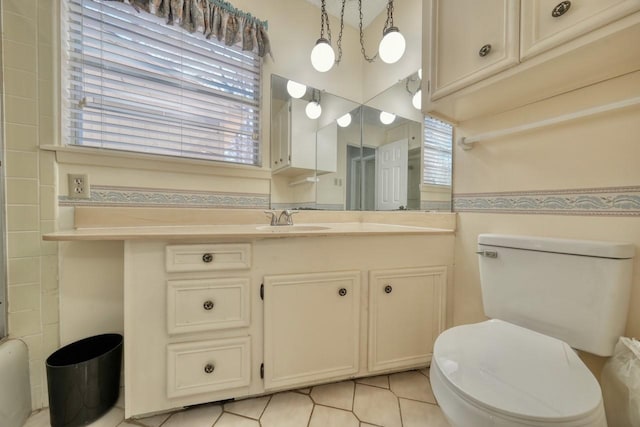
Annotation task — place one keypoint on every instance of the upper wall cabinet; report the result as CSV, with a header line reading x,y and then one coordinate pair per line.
x,y
471,40
491,56
549,23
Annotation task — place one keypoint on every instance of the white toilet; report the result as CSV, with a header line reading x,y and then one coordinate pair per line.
x,y
545,297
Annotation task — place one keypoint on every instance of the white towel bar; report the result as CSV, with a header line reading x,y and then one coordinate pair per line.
x,y
467,143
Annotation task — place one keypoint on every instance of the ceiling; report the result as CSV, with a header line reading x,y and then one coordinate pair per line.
x,y
370,10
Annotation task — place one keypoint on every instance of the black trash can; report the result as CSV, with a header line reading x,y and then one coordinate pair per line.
x,y
83,380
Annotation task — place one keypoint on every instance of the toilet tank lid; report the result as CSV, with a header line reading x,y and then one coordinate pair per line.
x,y
594,248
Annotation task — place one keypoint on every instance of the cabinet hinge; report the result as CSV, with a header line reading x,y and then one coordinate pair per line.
x,y
262,292
262,370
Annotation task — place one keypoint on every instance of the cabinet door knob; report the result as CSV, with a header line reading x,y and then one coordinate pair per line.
x,y
342,292
560,9
207,257
484,50
209,368
208,305
388,289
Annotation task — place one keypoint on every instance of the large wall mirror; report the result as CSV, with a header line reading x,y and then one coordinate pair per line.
x,y
348,156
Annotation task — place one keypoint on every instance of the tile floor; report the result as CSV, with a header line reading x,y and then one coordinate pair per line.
x,y
397,400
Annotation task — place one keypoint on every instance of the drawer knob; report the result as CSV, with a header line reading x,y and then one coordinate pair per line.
x,y
208,305
209,368
484,50
207,257
342,292
560,9
388,289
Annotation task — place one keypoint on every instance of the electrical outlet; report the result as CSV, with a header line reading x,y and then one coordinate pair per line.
x,y
79,186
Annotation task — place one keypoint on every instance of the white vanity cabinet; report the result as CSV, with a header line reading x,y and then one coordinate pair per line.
x,y
546,24
209,321
294,140
311,327
471,40
187,324
406,314
538,49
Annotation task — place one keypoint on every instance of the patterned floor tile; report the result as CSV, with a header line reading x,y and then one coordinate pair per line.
x,y
200,416
377,406
39,419
287,410
412,385
230,420
251,408
419,414
337,395
397,400
113,417
379,381
330,417
154,421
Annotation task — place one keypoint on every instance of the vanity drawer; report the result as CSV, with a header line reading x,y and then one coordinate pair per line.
x,y
181,258
207,366
195,305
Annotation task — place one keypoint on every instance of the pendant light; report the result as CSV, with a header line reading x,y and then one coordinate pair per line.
x,y
387,118
322,55
417,99
344,121
295,89
390,50
313,110
392,45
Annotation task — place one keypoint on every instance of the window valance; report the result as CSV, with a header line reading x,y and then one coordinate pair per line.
x,y
213,18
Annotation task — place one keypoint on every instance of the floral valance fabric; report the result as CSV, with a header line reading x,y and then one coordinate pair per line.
x,y
213,18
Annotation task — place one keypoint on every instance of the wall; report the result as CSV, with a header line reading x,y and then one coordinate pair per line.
x,y
29,78
575,180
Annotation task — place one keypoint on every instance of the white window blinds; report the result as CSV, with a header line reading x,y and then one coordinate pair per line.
x,y
438,144
137,84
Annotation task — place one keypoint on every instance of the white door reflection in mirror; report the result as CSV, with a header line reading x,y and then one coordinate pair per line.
x,y
391,175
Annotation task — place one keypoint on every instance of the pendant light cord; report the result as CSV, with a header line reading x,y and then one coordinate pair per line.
x,y
324,20
340,35
389,22
367,58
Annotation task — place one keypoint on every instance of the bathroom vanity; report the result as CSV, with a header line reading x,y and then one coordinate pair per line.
x,y
228,311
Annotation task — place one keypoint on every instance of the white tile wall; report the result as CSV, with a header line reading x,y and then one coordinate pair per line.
x,y
32,268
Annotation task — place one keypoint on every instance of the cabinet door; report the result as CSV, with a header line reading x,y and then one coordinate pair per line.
x,y
303,137
280,137
311,327
406,314
548,23
327,151
470,41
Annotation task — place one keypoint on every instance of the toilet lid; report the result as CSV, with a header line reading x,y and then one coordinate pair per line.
x,y
516,371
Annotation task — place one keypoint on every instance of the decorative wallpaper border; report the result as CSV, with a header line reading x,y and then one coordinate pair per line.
x,y
607,201
160,197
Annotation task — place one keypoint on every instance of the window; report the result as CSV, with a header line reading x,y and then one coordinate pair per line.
x,y
135,83
438,144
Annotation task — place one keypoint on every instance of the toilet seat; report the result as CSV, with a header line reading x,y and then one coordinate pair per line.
x,y
510,371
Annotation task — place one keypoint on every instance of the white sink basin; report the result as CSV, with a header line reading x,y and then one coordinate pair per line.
x,y
291,228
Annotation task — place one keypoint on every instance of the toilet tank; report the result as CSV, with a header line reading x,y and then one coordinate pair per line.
x,y
575,290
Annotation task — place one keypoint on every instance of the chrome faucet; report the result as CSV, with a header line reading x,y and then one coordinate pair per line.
x,y
285,217
288,216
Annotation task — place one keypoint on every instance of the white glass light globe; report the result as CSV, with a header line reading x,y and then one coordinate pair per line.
x,y
344,121
295,89
322,56
313,110
387,118
392,46
417,100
